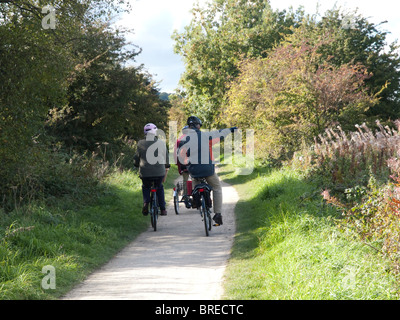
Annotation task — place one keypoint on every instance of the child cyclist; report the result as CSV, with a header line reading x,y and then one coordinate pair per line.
x,y
151,158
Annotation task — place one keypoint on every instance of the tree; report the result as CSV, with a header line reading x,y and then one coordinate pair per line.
x,y
106,104
105,100
356,40
218,37
35,67
178,112
294,94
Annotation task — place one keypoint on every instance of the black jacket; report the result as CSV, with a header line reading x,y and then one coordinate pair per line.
x,y
198,148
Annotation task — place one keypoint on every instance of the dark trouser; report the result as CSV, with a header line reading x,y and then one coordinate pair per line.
x,y
146,188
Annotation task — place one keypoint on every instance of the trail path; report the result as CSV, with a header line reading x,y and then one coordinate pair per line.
x,y
177,262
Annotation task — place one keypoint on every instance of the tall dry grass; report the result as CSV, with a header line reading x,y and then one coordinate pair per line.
x,y
359,174
345,159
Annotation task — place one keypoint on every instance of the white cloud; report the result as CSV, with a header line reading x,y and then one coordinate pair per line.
x,y
144,12
153,22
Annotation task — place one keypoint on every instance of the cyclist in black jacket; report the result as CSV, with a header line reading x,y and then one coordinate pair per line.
x,y
197,146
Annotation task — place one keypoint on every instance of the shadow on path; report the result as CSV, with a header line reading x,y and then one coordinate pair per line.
x,y
178,262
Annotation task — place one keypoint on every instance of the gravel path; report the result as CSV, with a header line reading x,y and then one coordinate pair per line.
x,y
177,262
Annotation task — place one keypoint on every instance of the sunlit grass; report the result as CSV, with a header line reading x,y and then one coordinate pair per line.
x,y
73,238
288,245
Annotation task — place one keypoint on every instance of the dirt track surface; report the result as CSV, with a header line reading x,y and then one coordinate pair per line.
x,y
177,262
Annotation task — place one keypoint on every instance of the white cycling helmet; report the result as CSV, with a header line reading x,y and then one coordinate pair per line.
x,y
150,128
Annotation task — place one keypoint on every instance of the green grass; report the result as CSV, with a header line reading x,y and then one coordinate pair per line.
x,y
288,245
74,238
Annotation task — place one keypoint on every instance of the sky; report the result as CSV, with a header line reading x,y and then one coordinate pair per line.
x,y
154,21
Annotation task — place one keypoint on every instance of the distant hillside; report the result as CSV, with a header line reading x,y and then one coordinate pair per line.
x,y
164,96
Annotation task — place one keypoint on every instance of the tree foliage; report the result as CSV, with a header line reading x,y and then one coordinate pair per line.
x,y
294,94
218,37
105,100
226,32
356,40
34,64
178,111
68,85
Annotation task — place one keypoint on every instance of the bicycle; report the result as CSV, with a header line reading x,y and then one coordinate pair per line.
x,y
154,208
185,198
202,200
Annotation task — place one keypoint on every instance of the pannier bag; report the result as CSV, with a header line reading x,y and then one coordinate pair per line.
x,y
196,203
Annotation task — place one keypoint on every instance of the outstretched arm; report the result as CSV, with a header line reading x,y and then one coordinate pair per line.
x,y
218,135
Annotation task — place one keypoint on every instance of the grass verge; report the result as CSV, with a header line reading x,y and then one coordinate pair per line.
x,y
288,245
74,238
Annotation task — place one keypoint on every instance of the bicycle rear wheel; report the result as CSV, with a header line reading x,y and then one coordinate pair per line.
x,y
209,220
154,212
206,216
154,218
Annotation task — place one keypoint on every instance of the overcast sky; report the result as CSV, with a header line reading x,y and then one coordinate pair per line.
x,y
154,21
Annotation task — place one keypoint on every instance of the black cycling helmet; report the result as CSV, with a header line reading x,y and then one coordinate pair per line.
x,y
193,121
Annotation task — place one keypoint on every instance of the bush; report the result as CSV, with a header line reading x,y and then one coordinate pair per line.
x,y
48,174
360,173
293,94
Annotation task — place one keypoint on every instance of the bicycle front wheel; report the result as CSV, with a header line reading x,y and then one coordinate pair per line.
x,y
176,202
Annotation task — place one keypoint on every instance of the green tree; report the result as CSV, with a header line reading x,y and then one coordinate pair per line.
x,y
356,40
218,37
104,105
294,94
105,100
35,67
34,64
